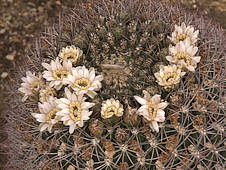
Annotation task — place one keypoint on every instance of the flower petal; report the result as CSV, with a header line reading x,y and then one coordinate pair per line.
x,y
72,128
162,105
87,105
160,117
156,99
140,100
154,126
169,58
43,126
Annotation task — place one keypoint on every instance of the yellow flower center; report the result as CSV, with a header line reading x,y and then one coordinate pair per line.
x,y
169,77
52,115
60,74
75,111
82,83
181,37
50,92
152,109
35,84
183,56
70,55
110,112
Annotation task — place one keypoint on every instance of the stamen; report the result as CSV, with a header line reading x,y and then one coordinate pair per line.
x,y
75,111
169,77
111,111
60,75
152,109
181,37
82,83
50,93
70,55
35,84
52,115
183,56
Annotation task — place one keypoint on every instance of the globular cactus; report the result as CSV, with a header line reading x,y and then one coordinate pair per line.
x,y
131,47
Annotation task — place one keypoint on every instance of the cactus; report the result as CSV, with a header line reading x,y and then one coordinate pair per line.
x,y
127,43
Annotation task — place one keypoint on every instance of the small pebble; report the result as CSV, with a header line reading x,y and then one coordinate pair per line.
x,y
10,57
71,167
40,9
2,31
58,2
4,75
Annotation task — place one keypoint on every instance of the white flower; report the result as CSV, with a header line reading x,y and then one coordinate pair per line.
x,y
184,32
57,73
169,76
183,54
46,93
84,81
74,110
47,115
71,53
31,85
110,108
152,109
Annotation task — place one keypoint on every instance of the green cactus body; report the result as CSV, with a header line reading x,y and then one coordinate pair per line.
x,y
127,43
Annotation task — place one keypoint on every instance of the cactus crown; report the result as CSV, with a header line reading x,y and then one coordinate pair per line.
x,y
121,50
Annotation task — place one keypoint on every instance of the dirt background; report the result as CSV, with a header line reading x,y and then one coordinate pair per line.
x,y
22,20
